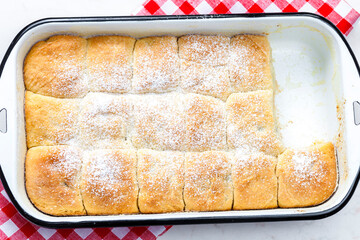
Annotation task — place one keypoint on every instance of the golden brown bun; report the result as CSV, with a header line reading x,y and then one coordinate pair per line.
x,y
156,64
250,63
159,122
104,121
250,123
52,180
50,121
161,181
212,50
205,79
254,180
208,185
108,182
306,177
205,123
109,63
55,67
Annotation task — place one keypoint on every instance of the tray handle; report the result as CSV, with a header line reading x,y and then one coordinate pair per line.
x,y
356,107
8,110
3,120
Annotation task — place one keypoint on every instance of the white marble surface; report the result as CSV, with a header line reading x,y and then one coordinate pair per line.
x,y
14,15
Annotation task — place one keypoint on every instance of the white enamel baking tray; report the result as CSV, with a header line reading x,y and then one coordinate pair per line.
x,y
318,86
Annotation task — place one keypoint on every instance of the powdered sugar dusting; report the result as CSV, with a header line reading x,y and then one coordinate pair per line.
x,y
159,122
212,50
50,121
62,166
110,78
208,182
205,79
57,184
156,65
109,174
257,168
254,162
207,165
249,142
161,181
109,63
70,79
67,160
105,121
65,132
59,65
249,65
178,122
205,123
250,123
307,167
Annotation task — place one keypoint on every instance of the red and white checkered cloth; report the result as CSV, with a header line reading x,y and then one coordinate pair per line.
x,y
337,11
14,226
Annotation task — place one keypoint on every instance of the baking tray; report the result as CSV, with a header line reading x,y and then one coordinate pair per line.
x,y
315,69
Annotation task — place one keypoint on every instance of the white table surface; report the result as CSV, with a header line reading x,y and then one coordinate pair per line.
x,y
14,15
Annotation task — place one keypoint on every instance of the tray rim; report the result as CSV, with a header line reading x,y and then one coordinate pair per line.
x,y
176,221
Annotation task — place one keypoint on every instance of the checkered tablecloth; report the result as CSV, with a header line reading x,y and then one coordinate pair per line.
x,y
14,226
337,11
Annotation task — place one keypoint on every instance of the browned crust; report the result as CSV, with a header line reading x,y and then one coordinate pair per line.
x,y
108,182
52,180
208,185
55,67
109,63
310,183
255,182
50,121
250,63
161,181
